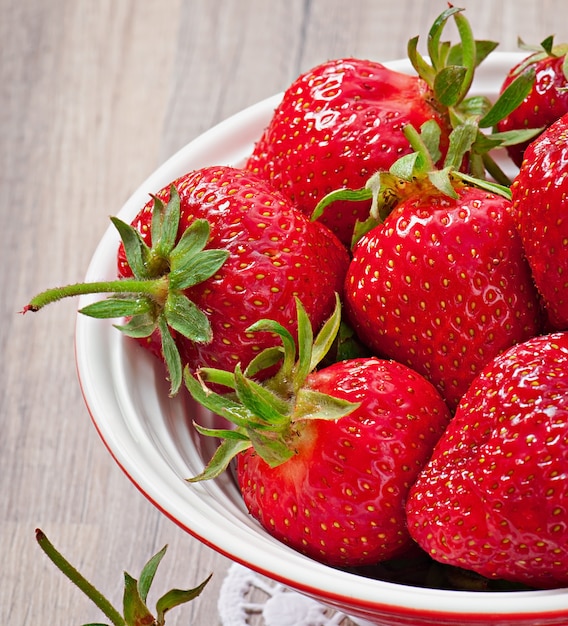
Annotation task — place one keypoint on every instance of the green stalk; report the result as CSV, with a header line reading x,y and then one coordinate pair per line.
x,y
156,288
75,577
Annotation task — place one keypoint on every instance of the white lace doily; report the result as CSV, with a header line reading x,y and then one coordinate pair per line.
x,y
247,599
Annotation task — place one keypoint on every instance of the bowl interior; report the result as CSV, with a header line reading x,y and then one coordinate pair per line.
x,y
151,436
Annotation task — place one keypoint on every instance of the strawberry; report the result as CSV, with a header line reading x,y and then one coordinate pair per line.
x,y
546,101
439,281
325,457
211,254
539,202
336,125
493,497
343,120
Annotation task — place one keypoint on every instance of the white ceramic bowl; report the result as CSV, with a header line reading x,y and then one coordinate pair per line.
x,y
151,437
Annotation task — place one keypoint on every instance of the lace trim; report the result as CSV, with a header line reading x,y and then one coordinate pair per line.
x,y
248,599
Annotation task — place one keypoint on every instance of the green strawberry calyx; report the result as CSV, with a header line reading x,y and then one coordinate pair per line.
x,y
415,172
154,298
450,70
267,416
135,610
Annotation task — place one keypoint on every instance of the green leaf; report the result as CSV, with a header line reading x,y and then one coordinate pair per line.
x,y
221,433
483,48
435,34
469,53
442,181
271,447
269,357
305,341
215,402
547,44
260,401
135,248
288,343
485,184
177,597
223,455
148,573
165,223
185,317
448,85
513,137
510,99
171,357
351,195
135,610
419,63
405,167
326,336
461,140
192,241
117,307
139,326
474,106
312,404
196,269
430,133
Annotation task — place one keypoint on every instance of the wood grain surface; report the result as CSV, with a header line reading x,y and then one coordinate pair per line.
x,y
95,94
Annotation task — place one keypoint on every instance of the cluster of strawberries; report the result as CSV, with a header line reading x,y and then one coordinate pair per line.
x,y
379,320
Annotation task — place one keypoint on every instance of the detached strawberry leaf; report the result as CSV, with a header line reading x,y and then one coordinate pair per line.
x,y
148,572
177,597
136,612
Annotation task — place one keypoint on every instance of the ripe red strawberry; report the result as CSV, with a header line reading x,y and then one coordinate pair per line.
x,y
343,120
493,498
540,208
442,284
336,125
548,98
216,251
325,459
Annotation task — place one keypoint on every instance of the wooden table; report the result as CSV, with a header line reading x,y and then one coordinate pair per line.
x,y
94,95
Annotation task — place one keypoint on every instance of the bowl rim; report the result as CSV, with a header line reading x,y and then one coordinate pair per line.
x,y
98,345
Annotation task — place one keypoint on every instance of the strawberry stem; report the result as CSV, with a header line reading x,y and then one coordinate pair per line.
x,y
157,289
78,579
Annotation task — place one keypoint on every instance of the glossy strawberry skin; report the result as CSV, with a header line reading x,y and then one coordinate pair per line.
x,y
442,286
275,253
494,497
336,125
341,498
541,212
546,102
